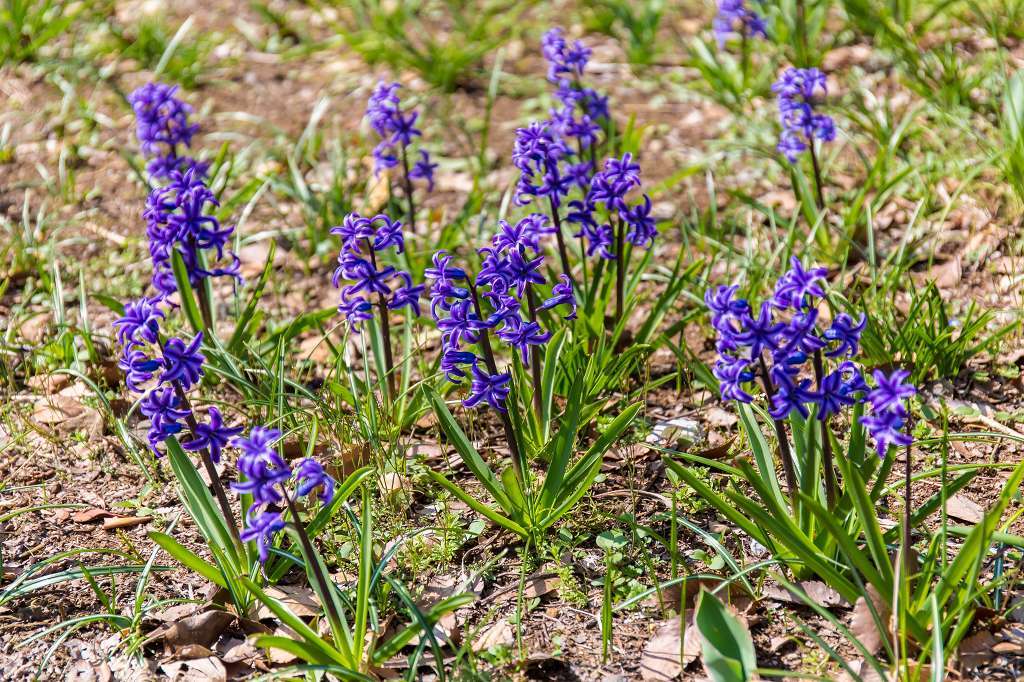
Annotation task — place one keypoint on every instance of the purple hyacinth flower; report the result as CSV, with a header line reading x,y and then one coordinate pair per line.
x,y
450,364
797,286
262,466
490,388
262,528
832,396
760,333
140,322
310,475
801,125
138,368
734,18
423,169
183,364
886,427
522,335
562,294
212,435
406,294
844,335
724,306
732,373
791,396
161,406
891,391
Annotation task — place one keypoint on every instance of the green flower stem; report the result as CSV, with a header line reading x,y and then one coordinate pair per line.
x,y
211,469
492,367
785,454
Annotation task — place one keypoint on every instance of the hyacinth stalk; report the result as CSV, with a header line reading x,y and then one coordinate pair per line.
x,y
366,277
211,469
397,131
518,464
178,368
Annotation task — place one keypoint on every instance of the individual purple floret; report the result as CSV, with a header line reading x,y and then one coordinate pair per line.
x,y
262,466
734,18
140,322
310,475
164,410
212,435
262,527
182,363
801,125
489,388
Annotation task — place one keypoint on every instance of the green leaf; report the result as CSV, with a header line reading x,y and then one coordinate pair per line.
x,y
188,558
477,506
465,448
186,293
315,645
242,333
726,646
199,501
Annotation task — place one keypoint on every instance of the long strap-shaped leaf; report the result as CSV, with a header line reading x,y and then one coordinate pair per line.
x,y
324,652
201,505
189,559
466,450
581,475
477,506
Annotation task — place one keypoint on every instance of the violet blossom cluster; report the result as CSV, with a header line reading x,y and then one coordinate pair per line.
x,y
162,126
509,275
582,109
542,158
801,124
162,371
735,18
777,342
179,217
605,201
266,477
362,240
397,131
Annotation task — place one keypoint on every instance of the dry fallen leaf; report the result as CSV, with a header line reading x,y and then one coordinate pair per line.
x,y
203,628
965,509
497,634
814,589
976,650
537,585
208,669
300,600
125,522
665,656
862,622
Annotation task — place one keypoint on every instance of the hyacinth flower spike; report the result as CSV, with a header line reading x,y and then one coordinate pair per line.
x,y
398,130
775,344
267,477
795,91
362,239
179,368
